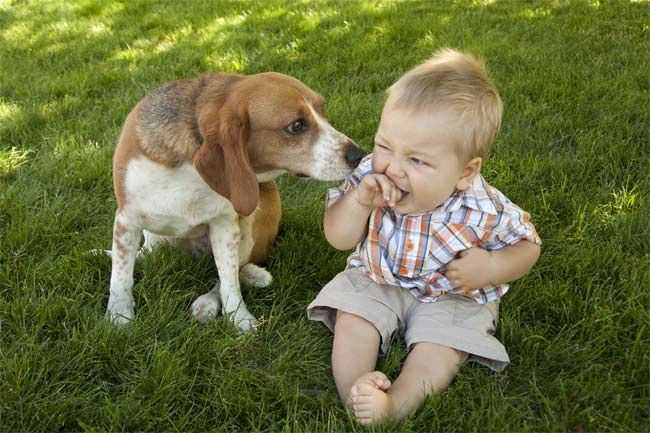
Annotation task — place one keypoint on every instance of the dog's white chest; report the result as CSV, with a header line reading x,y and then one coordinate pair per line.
x,y
170,201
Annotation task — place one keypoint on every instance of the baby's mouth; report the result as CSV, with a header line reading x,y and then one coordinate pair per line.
x,y
404,194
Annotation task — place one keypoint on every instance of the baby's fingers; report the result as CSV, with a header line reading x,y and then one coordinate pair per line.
x,y
390,201
368,190
397,195
386,187
456,279
370,184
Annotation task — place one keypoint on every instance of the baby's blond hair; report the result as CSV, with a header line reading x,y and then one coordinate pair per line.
x,y
451,79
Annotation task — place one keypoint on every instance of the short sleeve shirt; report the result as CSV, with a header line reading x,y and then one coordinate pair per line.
x,y
413,250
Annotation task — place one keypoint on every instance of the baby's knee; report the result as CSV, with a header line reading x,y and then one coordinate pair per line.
x,y
349,322
443,359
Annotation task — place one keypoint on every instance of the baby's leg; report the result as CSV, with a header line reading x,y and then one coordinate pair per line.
x,y
428,368
354,351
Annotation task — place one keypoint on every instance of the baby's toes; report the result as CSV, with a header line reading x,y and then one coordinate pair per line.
x,y
362,406
384,385
364,417
381,381
378,380
364,392
362,401
375,378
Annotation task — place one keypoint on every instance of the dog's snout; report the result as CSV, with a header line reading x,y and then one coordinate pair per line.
x,y
353,155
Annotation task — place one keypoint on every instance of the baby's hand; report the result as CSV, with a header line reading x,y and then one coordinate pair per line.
x,y
377,190
473,270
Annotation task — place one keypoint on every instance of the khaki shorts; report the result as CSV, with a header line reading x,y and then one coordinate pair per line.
x,y
452,321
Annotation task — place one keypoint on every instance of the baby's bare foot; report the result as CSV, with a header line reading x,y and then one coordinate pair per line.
x,y
374,378
370,402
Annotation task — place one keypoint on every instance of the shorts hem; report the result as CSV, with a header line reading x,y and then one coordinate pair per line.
x,y
323,309
493,356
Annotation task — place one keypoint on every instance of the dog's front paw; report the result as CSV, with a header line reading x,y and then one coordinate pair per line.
x,y
238,314
243,320
206,307
120,311
255,276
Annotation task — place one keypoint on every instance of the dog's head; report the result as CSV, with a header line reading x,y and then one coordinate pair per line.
x,y
263,125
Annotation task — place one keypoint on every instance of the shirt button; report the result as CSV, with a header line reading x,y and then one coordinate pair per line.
x,y
409,245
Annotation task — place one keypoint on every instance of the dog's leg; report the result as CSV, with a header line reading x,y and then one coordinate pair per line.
x,y
246,241
126,239
225,237
255,276
207,306
249,273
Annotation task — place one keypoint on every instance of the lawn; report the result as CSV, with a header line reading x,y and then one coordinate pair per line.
x,y
574,151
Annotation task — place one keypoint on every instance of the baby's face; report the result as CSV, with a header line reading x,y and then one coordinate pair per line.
x,y
416,150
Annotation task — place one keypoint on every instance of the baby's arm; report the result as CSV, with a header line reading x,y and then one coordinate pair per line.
x,y
346,221
477,268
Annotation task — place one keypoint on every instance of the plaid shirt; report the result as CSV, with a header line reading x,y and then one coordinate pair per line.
x,y
412,250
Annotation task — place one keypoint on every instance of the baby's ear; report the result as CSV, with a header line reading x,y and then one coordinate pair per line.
x,y
471,170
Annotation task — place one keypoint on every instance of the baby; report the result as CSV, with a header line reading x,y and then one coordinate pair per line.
x,y
435,243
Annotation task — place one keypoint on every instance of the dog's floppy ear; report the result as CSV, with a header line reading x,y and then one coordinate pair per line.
x,y
222,161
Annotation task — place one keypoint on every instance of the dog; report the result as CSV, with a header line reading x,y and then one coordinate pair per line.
x,y
194,166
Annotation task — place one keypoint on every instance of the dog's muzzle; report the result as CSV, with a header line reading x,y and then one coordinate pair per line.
x,y
353,155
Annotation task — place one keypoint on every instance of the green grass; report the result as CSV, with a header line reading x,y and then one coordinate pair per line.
x,y
574,151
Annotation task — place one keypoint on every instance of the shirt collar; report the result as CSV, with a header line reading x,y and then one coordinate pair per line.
x,y
475,197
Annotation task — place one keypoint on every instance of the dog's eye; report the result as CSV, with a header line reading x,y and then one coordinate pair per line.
x,y
297,127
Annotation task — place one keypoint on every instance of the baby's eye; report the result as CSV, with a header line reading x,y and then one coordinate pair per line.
x,y
381,146
417,161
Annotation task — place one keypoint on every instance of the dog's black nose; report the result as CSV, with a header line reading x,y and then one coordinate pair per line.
x,y
353,155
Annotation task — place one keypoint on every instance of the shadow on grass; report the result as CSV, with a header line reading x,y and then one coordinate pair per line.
x,y
101,53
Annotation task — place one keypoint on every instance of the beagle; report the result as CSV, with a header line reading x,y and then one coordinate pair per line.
x,y
194,166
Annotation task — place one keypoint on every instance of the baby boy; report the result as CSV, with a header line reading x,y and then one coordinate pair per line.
x,y
435,243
